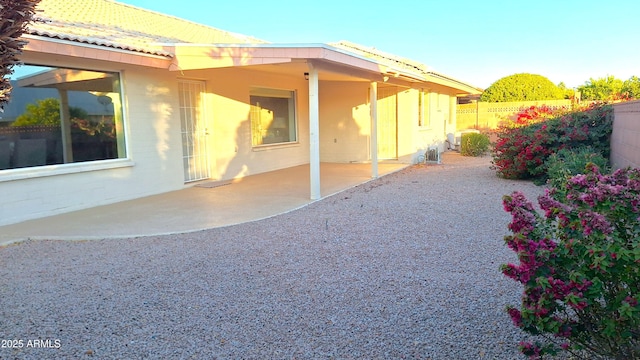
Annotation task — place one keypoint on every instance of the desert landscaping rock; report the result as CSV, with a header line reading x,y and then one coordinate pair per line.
x,y
403,267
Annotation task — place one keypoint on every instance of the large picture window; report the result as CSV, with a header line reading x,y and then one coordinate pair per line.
x,y
59,116
273,117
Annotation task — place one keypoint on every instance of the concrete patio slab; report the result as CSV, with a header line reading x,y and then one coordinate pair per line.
x,y
198,207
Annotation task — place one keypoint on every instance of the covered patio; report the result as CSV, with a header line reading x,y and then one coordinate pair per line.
x,y
381,76
202,206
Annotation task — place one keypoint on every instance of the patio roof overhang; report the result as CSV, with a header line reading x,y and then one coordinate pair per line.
x,y
71,80
332,63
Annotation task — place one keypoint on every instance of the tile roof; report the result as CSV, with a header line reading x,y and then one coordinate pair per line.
x,y
379,56
409,65
117,25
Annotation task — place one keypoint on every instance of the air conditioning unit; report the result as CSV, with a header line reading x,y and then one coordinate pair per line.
x,y
432,156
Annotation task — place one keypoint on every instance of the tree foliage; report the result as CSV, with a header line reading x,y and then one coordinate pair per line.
x,y
631,87
43,112
46,112
602,89
610,88
522,87
14,17
568,93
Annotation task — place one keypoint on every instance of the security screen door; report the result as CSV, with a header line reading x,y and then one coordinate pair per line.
x,y
194,131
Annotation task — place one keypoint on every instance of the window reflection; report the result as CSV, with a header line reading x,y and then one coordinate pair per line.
x,y
58,115
273,119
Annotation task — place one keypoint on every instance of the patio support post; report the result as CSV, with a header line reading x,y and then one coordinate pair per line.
x,y
374,129
314,133
65,127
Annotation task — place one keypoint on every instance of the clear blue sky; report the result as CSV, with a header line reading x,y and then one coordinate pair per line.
x,y
477,42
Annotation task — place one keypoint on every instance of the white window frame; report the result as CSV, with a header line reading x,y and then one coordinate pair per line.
x,y
292,97
15,174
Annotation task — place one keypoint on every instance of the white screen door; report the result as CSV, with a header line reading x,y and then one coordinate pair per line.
x,y
194,131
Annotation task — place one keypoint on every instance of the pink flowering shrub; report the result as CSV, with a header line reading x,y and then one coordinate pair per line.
x,y
579,263
535,114
524,145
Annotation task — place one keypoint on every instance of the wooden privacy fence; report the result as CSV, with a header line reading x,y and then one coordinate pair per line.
x,y
487,116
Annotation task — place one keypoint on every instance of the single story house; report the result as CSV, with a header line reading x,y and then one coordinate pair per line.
x,y
173,102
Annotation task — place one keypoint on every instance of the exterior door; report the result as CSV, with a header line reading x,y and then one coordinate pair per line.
x,y
194,131
387,123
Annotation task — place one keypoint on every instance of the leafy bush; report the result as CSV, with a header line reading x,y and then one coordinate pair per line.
x,y
522,87
578,264
569,162
524,146
474,144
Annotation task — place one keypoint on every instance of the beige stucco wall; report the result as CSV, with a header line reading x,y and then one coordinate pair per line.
x,y
407,124
154,141
625,139
227,114
440,123
345,122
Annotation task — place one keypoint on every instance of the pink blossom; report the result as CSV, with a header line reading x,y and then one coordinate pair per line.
x,y
631,301
580,305
516,316
564,331
549,204
594,221
579,179
531,350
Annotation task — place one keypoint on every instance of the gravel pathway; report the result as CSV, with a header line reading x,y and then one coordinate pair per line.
x,y
403,267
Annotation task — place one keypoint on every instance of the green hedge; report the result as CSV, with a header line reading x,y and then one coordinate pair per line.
x,y
573,161
474,144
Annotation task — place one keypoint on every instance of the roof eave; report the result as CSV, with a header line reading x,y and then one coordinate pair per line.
x,y
461,87
37,44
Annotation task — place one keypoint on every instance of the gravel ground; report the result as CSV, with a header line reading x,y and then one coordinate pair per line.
x,y
403,267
